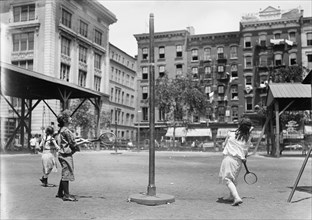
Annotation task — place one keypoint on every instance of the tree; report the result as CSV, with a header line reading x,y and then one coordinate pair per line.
x,y
287,74
179,99
84,116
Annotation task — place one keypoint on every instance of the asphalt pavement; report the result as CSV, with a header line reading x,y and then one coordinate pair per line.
x,y
104,182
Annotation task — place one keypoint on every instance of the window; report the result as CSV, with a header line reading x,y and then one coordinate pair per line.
x,y
263,61
207,53
194,55
278,59
145,53
97,61
234,92
161,71
161,115
221,89
26,64
309,58
234,113
277,36
161,52
23,42
179,50
207,90
144,92
249,103
97,83
221,113
179,69
262,40
112,94
65,46
233,52
207,72
98,37
82,78
83,29
309,39
195,117
248,62
247,42
144,72
220,69
220,52
144,114
292,36
66,18
24,13
195,72
82,54
64,74
248,80
234,72
293,59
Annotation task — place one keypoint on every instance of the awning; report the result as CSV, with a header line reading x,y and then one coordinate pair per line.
x,y
285,93
179,132
199,132
222,132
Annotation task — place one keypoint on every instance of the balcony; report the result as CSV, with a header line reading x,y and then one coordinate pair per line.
x,y
221,58
223,76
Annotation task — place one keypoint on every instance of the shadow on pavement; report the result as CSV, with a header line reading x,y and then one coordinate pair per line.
x,y
307,189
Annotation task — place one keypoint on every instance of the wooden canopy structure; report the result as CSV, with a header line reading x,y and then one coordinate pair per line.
x,y
285,97
33,86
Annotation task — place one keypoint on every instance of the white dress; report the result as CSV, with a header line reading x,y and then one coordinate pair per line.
x,y
234,152
48,157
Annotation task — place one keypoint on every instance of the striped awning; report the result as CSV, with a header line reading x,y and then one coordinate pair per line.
x,y
199,132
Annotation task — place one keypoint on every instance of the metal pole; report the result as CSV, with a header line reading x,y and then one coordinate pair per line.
x,y
116,129
151,189
138,118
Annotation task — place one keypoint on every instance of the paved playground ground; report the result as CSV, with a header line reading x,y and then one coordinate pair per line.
x,y
104,181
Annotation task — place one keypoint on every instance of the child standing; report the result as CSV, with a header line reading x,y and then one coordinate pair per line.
x,y
236,147
49,150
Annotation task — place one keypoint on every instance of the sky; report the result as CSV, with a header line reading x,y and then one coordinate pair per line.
x,y
206,16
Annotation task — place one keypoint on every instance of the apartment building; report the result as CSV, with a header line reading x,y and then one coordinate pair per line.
x,y
214,60
233,66
306,43
271,39
123,93
170,59
67,40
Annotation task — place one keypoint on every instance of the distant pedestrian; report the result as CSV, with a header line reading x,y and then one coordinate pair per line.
x,y
235,151
33,142
48,158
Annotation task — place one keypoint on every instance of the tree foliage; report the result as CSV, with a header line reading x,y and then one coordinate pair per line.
x,y
180,97
85,118
287,74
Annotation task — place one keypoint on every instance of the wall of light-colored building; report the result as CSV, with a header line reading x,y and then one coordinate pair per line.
x,y
48,31
123,66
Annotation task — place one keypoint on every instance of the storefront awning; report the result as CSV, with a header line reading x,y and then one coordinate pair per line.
x,y
191,132
222,132
179,132
199,132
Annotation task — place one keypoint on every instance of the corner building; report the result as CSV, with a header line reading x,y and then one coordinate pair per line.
x,y
67,40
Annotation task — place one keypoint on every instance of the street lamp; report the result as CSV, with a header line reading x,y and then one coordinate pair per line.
x,y
138,119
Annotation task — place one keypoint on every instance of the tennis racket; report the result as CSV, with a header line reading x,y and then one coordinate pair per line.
x,y
249,177
106,138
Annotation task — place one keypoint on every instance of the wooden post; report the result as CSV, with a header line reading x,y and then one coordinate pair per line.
x,y
277,128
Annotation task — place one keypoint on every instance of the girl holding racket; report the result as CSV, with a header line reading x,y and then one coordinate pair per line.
x,y
235,151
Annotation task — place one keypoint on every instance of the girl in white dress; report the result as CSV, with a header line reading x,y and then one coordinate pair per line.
x,y
236,147
49,154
